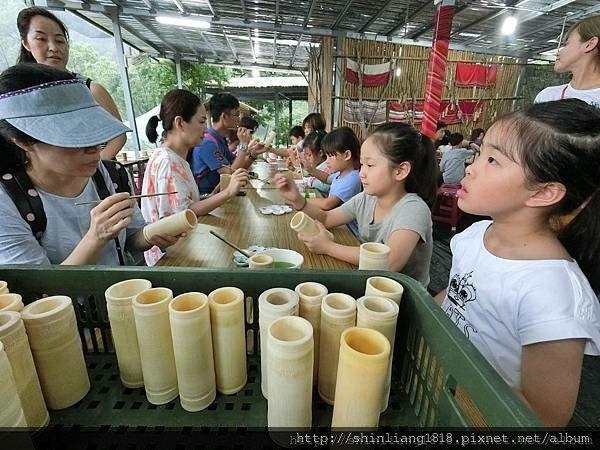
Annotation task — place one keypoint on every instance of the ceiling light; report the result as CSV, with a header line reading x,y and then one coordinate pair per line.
x,y
470,35
509,25
398,71
183,21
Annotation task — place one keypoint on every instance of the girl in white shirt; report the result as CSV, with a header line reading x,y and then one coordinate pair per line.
x,y
521,285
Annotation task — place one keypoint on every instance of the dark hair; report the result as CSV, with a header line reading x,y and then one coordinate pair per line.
x,y
315,121
400,142
177,102
17,77
455,139
440,125
475,133
445,140
23,23
314,142
249,123
297,131
340,140
559,142
220,103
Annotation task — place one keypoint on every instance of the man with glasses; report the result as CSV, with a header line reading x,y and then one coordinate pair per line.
x,y
212,156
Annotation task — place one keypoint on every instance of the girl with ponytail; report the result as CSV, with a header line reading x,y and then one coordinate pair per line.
x,y
522,285
398,174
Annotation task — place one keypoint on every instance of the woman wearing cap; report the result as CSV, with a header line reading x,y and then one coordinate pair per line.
x,y
45,40
52,128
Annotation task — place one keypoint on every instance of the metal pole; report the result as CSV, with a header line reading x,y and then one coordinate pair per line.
x,y
276,117
125,83
338,79
178,71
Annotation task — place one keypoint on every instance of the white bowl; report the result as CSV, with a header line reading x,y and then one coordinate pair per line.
x,y
283,256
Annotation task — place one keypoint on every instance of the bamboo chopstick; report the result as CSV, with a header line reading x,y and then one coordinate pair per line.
x,y
96,202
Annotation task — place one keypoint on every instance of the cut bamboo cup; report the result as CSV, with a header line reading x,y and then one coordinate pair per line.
x,y
151,312
373,256
52,330
11,413
270,138
338,312
16,346
192,343
272,304
11,302
224,181
3,287
229,338
290,350
303,223
119,305
260,261
363,365
384,287
172,225
311,295
381,314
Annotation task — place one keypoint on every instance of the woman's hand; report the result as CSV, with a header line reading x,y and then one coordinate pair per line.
x,y
288,190
244,135
163,241
318,243
239,178
256,147
110,217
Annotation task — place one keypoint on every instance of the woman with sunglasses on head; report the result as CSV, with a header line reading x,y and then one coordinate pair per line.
x,y
50,130
45,40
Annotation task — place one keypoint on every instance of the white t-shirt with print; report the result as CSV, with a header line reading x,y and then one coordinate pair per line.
x,y
502,305
591,96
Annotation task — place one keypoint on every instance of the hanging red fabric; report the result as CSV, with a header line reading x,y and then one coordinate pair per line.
x,y
479,75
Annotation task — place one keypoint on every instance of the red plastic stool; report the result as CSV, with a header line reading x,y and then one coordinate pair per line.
x,y
445,208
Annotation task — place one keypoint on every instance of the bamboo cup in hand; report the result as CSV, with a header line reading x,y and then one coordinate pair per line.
x,y
303,223
172,225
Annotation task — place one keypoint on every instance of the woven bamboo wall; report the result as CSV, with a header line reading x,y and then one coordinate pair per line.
x,y
410,84
320,92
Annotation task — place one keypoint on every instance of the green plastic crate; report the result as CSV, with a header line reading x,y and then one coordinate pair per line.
x,y
439,379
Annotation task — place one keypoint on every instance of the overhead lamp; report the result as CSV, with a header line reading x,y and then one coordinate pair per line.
x,y
509,25
190,22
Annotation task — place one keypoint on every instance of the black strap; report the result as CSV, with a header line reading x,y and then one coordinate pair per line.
x,y
120,179
27,200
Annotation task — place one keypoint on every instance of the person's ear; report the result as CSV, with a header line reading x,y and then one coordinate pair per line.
x,y
25,46
402,170
23,145
592,44
547,194
347,155
178,123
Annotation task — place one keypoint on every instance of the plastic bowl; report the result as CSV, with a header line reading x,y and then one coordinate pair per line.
x,y
284,258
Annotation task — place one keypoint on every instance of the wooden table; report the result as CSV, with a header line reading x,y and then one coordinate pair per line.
x,y
240,221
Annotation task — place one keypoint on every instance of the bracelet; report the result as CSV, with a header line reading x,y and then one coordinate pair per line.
x,y
303,206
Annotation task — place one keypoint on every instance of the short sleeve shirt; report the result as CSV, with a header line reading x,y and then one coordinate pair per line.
x,y
591,96
207,158
409,213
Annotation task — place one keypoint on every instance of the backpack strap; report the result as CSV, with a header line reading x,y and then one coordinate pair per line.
x,y
27,200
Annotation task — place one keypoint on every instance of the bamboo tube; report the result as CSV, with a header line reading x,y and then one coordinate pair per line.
x,y
363,365
303,223
311,295
11,413
16,346
3,287
151,312
11,302
290,349
119,306
381,314
272,304
172,225
57,352
192,343
374,256
229,338
384,287
338,312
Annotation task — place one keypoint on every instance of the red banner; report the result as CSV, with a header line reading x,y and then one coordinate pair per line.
x,y
436,71
480,75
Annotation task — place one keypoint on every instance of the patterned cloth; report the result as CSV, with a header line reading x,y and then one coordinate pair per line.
x,y
166,172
